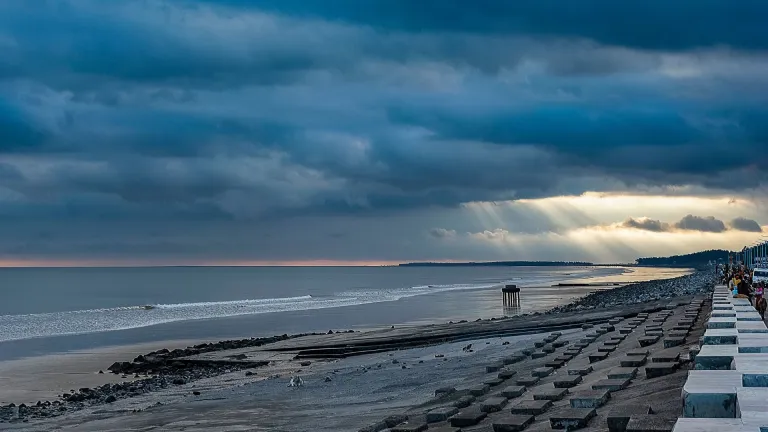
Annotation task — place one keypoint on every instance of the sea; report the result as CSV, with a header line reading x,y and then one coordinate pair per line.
x,y
51,310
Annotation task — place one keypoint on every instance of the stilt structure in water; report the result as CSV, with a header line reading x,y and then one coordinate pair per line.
x,y
511,296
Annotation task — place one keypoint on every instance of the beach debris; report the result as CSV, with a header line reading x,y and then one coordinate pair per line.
x,y
467,348
196,393
296,382
327,379
305,363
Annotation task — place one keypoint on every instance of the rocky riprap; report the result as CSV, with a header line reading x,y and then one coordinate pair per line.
x,y
693,284
152,371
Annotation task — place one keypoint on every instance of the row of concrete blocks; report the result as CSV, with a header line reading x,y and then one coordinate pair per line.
x,y
728,390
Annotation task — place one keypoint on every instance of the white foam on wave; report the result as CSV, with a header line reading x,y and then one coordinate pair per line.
x,y
17,327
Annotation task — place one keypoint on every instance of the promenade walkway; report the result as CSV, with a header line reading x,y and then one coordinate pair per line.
x,y
728,390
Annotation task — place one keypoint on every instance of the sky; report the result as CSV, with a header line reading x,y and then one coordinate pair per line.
x,y
234,132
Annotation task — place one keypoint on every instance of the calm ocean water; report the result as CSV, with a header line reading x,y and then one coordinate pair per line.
x,y
51,310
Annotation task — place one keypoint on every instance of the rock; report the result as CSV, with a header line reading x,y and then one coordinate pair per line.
x,y
249,373
178,381
305,363
101,372
196,393
327,379
110,399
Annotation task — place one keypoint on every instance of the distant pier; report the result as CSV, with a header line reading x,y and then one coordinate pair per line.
x,y
510,295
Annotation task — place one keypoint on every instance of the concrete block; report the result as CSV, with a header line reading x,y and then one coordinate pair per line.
x,y
589,398
625,330
494,367
464,401
395,420
606,348
608,327
572,418
748,316
638,352
715,357
596,357
442,391
623,373
573,352
552,394
549,349
531,407
411,426
538,354
647,340
479,390
611,385
632,361
507,374
513,423
549,339
493,382
721,323
560,343
612,342
581,345
555,364
542,372
601,331
666,356
654,370
654,333
677,334
711,394
512,392
751,327
568,381
751,406
527,381
586,326
614,321
441,414
556,334
468,418
712,425
586,370
618,417
493,404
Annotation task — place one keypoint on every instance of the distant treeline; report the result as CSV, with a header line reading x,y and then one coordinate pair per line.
x,y
689,260
498,264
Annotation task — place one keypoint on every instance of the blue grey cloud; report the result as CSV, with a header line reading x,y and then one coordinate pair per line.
x,y
231,110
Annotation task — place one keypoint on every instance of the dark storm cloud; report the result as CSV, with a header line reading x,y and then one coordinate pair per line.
x,y
227,110
699,223
744,224
654,24
646,224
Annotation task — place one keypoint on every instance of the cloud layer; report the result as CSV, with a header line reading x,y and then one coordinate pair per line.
x,y
212,112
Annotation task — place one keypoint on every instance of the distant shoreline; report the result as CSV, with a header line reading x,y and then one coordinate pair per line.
x,y
499,264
